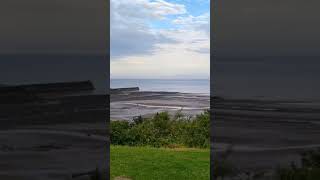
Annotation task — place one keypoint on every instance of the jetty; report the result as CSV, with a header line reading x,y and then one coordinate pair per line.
x,y
121,90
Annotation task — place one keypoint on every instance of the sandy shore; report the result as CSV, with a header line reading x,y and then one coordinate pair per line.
x,y
59,138
53,139
126,105
264,133
49,154
60,142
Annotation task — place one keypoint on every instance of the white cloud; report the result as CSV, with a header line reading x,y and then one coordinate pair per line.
x,y
161,8
198,23
130,31
169,60
164,64
194,40
145,9
139,51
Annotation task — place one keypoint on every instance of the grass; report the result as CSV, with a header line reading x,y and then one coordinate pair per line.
x,y
148,163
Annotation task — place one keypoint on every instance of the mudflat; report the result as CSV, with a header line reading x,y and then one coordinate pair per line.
x,y
126,105
56,138
264,134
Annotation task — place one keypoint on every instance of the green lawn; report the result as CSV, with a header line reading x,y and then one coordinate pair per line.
x,y
146,163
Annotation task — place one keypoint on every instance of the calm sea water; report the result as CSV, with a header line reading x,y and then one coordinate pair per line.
x,y
295,78
16,69
200,86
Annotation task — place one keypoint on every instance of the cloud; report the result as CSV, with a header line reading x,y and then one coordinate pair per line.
x,y
145,9
131,33
197,23
126,42
268,28
202,50
59,26
196,32
140,48
168,62
189,56
161,8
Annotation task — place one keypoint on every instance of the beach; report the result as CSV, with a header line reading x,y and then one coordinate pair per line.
x,y
264,134
127,105
49,154
53,132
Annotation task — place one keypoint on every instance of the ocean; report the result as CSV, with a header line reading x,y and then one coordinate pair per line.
x,y
198,86
288,78
42,68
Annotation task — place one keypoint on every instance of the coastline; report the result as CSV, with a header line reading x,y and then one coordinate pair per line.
x,y
264,134
256,129
55,131
127,105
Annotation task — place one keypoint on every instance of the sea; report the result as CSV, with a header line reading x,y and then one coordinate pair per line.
x,y
294,78
274,78
198,86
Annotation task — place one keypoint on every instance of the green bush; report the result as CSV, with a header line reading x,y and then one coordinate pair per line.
x,y
163,130
197,133
119,132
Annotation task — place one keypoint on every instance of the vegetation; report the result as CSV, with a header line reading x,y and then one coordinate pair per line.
x,y
161,147
182,134
148,163
163,130
309,169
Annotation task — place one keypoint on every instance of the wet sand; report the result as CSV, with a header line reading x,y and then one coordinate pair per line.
x,y
63,137
126,105
49,154
53,139
264,134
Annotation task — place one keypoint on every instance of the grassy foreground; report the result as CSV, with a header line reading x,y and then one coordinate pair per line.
x,y
147,163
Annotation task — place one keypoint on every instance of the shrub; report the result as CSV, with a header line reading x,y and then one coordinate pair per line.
x,y
197,133
119,132
162,130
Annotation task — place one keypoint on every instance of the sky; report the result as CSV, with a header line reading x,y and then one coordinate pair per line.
x,y
267,48
45,41
268,27
53,27
163,39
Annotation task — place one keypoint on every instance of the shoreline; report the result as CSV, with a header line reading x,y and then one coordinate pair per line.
x,y
264,134
50,154
127,105
53,137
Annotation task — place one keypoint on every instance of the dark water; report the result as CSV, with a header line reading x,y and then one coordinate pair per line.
x,y
29,69
269,77
201,86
